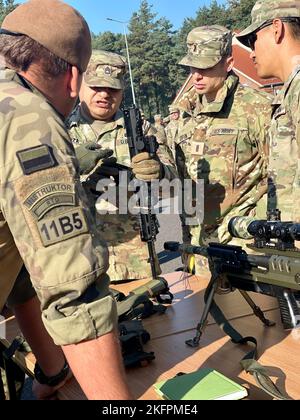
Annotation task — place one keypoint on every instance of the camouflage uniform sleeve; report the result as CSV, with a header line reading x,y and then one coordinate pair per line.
x,y
46,211
295,111
255,204
165,156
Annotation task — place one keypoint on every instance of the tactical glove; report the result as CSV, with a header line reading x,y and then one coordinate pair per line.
x,y
146,168
89,154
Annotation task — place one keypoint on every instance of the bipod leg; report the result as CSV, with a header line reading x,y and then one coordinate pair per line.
x,y
256,309
194,342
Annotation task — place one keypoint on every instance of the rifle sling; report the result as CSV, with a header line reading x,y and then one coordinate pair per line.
x,y
249,362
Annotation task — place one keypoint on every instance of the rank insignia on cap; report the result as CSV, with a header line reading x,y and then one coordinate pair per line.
x,y
36,159
107,70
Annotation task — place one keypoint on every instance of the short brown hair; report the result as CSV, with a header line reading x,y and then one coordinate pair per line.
x,y
294,26
21,51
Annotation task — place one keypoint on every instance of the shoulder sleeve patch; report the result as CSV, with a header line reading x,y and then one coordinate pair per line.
x,y
36,159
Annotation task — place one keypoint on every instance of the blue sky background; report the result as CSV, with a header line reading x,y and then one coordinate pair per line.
x,y
96,11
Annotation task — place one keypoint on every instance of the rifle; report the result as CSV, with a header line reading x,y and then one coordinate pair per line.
x,y
138,143
274,271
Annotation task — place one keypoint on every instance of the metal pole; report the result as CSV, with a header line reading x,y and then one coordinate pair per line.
x,y
129,66
128,56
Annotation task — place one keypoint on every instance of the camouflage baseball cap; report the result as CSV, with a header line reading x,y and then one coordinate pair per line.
x,y
265,10
106,69
173,108
207,45
56,26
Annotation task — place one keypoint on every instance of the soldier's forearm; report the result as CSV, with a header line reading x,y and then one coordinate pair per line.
x,y
100,372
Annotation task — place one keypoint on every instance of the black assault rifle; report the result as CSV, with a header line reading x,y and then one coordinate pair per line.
x,y
138,143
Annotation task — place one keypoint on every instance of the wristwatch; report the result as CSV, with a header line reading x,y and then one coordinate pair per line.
x,y
51,380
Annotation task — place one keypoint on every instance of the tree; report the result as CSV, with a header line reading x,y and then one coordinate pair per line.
x,y
6,7
108,41
239,13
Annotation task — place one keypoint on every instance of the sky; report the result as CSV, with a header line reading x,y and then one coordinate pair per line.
x,y
96,11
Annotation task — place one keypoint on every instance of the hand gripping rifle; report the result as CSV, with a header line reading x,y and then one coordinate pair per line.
x,y
149,225
138,143
274,271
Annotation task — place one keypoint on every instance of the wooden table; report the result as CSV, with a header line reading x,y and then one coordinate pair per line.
x,y
279,350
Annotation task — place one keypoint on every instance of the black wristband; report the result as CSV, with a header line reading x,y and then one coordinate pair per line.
x,y
51,380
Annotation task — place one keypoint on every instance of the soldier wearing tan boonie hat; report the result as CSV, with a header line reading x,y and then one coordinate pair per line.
x,y
106,69
207,45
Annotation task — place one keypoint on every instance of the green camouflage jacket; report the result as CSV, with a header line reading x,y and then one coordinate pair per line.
x,y
284,168
224,144
171,133
45,221
128,258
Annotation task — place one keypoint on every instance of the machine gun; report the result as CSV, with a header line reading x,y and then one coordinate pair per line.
x,y
275,272
138,143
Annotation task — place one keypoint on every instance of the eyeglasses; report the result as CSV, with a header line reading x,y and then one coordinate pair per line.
x,y
252,38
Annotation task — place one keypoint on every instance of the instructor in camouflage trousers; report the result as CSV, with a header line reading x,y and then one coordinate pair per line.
x,y
98,119
222,135
45,224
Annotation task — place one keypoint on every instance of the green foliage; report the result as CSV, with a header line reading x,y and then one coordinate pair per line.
x,y
155,49
6,6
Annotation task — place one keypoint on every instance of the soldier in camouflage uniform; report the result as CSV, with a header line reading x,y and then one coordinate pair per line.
x,y
222,135
98,119
274,37
172,128
159,126
45,223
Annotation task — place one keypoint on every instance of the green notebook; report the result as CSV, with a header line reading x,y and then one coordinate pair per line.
x,y
204,384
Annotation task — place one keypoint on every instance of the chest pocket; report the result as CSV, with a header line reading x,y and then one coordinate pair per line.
x,y
283,147
218,161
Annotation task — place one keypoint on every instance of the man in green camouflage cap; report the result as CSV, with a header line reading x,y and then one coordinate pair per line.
x,y
45,223
274,37
98,119
221,138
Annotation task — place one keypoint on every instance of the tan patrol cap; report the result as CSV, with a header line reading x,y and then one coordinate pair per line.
x,y
173,108
207,45
267,10
106,69
55,25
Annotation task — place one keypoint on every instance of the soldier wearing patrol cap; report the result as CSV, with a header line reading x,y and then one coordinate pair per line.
x,y
221,139
98,119
274,38
45,224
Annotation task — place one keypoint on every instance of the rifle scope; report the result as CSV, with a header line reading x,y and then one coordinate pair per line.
x,y
266,230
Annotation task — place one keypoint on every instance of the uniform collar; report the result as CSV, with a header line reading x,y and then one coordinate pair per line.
x,y
281,95
193,103
78,117
12,75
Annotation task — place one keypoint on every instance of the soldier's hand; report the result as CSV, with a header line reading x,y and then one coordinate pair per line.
x,y
145,168
89,154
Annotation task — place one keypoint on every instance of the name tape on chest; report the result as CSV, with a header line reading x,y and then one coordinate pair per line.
x,y
36,159
61,227
223,131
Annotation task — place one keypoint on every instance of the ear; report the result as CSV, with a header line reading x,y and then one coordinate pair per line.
x,y
229,64
278,30
74,82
